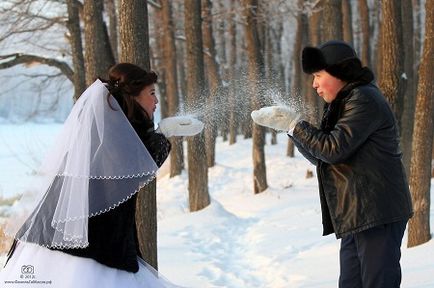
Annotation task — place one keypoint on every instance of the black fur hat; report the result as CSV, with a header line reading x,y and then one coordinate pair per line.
x,y
336,57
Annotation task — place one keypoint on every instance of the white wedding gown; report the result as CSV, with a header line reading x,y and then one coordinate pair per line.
x,y
32,265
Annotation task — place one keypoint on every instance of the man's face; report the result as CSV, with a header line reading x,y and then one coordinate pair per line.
x,y
326,85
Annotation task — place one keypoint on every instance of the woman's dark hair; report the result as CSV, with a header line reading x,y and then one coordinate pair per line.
x,y
125,82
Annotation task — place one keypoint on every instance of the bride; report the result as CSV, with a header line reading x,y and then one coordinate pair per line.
x,y
81,231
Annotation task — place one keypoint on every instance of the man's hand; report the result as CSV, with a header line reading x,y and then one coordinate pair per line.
x,y
277,117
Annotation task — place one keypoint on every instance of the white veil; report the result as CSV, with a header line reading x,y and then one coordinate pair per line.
x,y
97,162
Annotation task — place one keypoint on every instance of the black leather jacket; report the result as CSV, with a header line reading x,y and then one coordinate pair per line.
x,y
362,182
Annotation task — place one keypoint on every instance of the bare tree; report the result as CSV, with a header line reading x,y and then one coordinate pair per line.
x,y
22,22
181,69
364,23
419,225
73,24
391,81
297,80
134,33
98,54
221,16
233,103
272,50
113,26
417,6
410,91
21,18
214,81
134,43
20,58
158,60
347,21
255,74
377,39
312,30
197,166
332,17
171,79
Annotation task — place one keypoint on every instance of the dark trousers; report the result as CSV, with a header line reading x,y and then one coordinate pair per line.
x,y
370,259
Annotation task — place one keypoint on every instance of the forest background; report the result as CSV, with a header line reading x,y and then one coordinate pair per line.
x,y
219,60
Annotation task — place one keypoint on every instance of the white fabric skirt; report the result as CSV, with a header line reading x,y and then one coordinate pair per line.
x,y
32,265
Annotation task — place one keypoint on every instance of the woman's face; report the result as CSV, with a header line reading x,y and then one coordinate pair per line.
x,y
148,100
326,85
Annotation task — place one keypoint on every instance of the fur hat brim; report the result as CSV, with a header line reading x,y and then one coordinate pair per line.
x,y
350,70
312,60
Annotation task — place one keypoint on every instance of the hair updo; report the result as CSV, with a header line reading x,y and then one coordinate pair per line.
x,y
125,82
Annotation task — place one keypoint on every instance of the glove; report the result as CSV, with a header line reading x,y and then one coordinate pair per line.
x,y
180,126
277,117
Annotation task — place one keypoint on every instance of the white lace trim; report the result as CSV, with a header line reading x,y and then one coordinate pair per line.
x,y
71,238
108,177
107,209
59,245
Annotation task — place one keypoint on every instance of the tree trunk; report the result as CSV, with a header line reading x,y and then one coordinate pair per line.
x,y
332,16
347,22
113,27
420,179
98,53
311,28
181,69
233,99
157,62
221,60
280,68
214,79
245,106
255,74
297,80
376,38
134,43
73,26
364,23
418,31
410,91
270,72
221,32
197,165
181,82
391,81
146,223
171,79
133,32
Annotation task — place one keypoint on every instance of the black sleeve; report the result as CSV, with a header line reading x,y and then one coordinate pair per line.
x,y
157,145
304,152
360,118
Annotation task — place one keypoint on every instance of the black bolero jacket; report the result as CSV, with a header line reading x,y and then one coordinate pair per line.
x,y
112,235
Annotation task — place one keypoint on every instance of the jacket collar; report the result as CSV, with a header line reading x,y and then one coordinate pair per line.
x,y
365,77
331,113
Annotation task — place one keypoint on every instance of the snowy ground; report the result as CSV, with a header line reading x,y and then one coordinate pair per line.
x,y
272,239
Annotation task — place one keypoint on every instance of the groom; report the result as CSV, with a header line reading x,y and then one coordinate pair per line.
x,y
364,194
